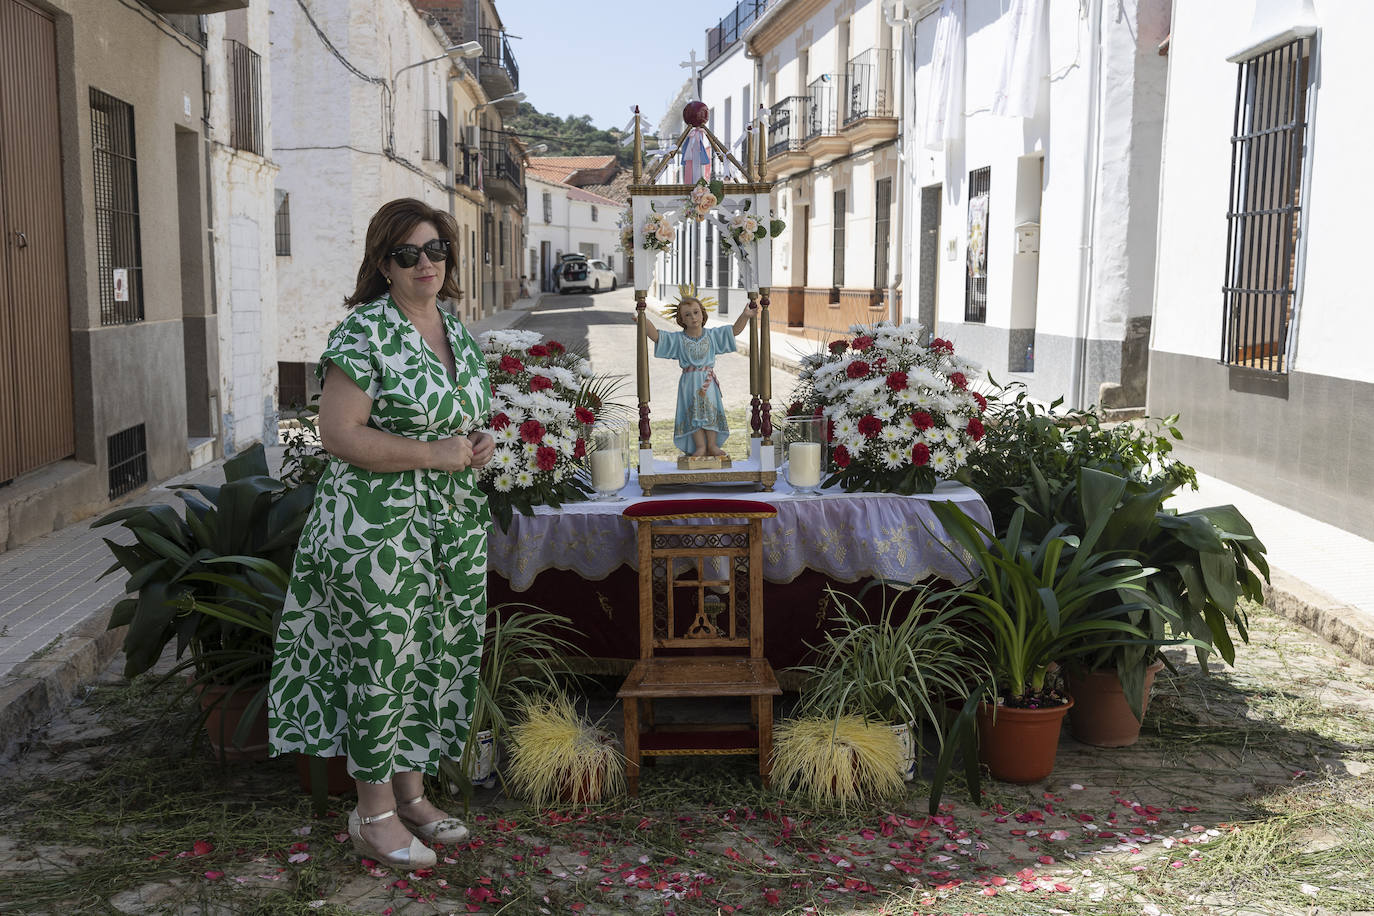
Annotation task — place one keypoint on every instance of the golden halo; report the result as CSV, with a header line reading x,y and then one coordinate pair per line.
x,y
688,291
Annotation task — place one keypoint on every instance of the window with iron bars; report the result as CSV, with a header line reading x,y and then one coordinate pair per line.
x,y
976,266
882,230
245,97
126,454
119,250
594,213
436,136
283,224
1264,207
548,207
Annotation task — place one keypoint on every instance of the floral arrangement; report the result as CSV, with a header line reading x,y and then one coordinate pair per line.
x,y
627,232
658,233
746,227
541,397
704,198
901,413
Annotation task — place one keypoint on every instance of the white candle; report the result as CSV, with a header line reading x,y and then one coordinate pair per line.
x,y
804,464
608,471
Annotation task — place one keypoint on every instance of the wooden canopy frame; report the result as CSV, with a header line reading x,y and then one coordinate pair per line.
x,y
755,258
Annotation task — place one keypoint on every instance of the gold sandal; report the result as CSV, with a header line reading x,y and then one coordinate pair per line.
x,y
443,830
417,855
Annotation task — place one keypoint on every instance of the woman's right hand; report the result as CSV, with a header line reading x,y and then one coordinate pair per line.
x,y
451,454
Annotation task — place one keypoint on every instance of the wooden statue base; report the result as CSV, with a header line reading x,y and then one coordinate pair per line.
x,y
705,462
666,472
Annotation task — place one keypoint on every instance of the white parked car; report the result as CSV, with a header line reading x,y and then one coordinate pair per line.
x,y
584,273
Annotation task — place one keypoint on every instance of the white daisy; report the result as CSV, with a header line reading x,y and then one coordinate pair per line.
x,y
923,398
960,455
894,458
891,433
845,427
508,435
941,462
885,412
504,483
524,479
503,459
951,435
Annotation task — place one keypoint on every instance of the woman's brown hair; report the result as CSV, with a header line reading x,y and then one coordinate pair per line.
x,y
388,228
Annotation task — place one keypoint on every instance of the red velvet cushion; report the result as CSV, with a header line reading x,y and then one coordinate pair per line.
x,y
707,508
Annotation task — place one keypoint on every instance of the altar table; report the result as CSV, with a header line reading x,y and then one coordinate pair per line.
x,y
580,560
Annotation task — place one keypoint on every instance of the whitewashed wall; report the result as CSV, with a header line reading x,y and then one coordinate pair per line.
x,y
242,204
571,225
331,131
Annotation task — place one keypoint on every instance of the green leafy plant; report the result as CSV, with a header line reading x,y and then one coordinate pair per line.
x,y
228,551
303,458
899,667
1023,438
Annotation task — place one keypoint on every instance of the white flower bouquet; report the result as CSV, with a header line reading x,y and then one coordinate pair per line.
x,y
542,396
900,413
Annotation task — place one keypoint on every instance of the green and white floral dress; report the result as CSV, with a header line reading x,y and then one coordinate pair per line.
x,y
380,641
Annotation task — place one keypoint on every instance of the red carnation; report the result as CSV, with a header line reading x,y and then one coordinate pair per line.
x,y
975,428
540,382
539,350
584,415
511,364
920,455
500,421
896,381
922,420
857,369
580,448
863,342
838,346
555,347
958,380
532,431
982,401
545,458
794,408
841,456
942,344
870,426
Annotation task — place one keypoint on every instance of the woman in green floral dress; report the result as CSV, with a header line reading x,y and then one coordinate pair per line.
x,y
380,641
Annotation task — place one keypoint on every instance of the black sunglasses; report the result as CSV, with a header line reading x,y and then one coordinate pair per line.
x,y
409,255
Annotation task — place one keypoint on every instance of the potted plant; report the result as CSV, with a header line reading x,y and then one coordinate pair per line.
x,y
899,668
522,655
1203,562
233,542
558,756
1033,601
844,759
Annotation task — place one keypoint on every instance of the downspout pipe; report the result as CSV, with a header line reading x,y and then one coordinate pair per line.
x,y
1089,215
906,50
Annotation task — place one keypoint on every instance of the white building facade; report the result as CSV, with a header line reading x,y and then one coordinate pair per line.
x,y
1270,368
1032,139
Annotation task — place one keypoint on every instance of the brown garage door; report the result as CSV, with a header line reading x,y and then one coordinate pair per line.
x,y
35,328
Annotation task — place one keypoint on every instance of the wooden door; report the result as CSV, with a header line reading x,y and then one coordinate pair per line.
x,y
35,326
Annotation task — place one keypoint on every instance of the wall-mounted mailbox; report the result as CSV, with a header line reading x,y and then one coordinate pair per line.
x,y
1028,238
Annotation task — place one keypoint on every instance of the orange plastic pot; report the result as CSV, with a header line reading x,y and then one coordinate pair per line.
x,y
1102,716
1019,745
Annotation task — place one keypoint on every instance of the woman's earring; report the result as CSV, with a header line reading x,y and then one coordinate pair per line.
x,y
387,278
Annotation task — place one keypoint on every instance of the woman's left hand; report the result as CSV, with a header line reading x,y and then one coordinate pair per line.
x,y
483,447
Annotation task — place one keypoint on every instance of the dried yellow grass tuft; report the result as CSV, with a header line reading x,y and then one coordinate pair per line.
x,y
839,760
558,756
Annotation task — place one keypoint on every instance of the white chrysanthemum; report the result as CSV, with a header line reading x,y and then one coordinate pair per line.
x,y
855,444
524,479
508,435
508,392
562,376
503,482
960,455
933,436
503,459
905,397
845,427
567,445
907,425
924,398
941,462
885,412
891,433
951,435
528,449
893,458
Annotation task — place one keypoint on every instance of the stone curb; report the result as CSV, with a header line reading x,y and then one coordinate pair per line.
x,y
1339,624
37,689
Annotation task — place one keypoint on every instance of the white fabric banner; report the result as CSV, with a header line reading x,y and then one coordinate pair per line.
x,y
1026,62
945,101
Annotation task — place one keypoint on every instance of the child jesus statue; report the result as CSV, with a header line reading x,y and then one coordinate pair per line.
x,y
699,427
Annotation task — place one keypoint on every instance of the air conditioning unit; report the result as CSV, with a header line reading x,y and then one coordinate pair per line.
x,y
472,136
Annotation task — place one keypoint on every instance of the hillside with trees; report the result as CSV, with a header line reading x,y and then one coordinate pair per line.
x,y
574,135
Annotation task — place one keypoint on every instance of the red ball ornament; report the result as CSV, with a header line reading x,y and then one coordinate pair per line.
x,y
696,114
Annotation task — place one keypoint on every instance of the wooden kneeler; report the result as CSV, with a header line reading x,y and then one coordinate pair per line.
x,y
688,651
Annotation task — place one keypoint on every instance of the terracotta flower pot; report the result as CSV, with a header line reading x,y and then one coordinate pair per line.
x,y
1102,717
1019,745
222,721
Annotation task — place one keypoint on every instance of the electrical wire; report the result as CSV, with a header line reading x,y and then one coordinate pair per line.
x,y
193,46
329,45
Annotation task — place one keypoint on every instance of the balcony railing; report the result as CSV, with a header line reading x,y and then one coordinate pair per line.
x,y
192,26
732,27
787,124
436,136
499,162
870,89
496,52
245,97
820,107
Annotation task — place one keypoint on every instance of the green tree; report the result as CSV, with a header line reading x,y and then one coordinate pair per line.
x,y
574,135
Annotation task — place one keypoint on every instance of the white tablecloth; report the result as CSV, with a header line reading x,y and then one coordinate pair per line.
x,y
846,536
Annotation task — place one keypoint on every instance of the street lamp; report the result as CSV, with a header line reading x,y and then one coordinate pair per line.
x,y
468,49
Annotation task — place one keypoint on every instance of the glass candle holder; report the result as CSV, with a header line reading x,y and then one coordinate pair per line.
x,y
806,453
608,458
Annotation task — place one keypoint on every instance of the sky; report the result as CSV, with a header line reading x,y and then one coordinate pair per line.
x,y
601,57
